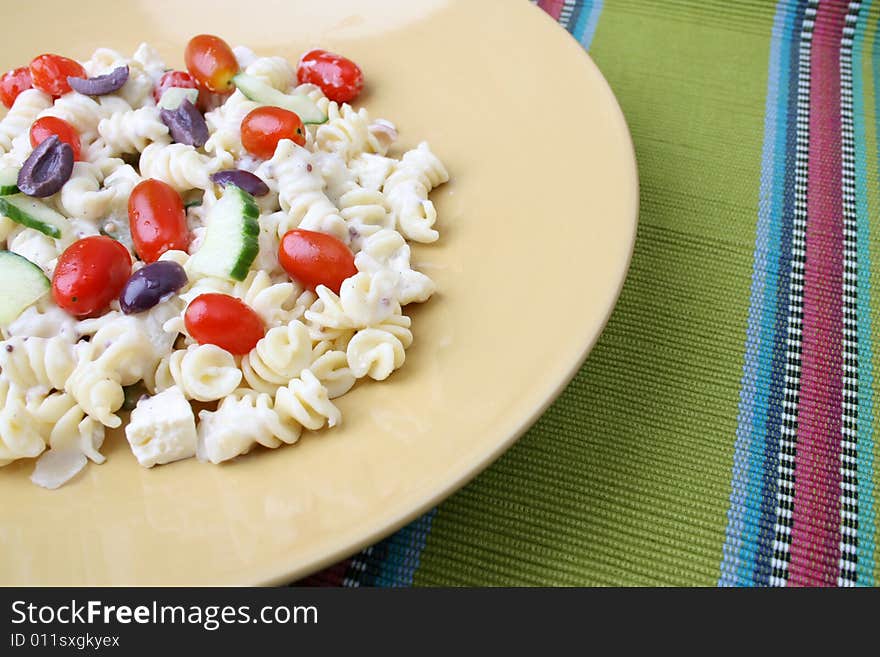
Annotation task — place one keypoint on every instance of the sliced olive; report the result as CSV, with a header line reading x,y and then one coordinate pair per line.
x,y
102,84
47,168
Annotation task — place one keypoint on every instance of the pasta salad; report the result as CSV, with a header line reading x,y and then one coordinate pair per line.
x,y
234,234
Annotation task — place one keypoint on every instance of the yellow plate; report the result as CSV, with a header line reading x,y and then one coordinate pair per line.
x,y
537,226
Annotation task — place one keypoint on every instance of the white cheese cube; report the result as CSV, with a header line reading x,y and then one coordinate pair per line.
x,y
162,429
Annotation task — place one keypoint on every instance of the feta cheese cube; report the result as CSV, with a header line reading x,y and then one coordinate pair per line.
x,y
162,429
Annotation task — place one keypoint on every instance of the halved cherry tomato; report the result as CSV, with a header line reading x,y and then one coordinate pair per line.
x,y
339,78
264,127
210,60
180,79
49,73
157,219
43,128
90,274
13,83
316,259
225,321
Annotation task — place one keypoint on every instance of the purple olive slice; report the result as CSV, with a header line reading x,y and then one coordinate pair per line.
x,y
47,168
186,124
247,181
101,85
151,285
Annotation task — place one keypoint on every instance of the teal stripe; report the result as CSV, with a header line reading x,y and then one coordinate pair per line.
x,y
742,541
865,448
404,549
586,20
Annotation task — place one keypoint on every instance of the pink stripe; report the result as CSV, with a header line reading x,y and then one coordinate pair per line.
x,y
552,7
815,546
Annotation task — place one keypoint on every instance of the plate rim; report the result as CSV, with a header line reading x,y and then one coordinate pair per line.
x,y
292,572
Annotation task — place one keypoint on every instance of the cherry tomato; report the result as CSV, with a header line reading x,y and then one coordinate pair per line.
x,y
43,128
264,127
90,274
339,78
49,73
210,60
316,259
157,219
13,83
180,79
225,321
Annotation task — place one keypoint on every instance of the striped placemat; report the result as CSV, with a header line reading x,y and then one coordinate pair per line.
x,y
723,429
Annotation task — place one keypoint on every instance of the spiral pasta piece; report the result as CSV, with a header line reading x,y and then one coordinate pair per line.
x,y
348,132
274,71
179,165
82,112
82,195
97,391
331,368
387,250
301,192
30,362
20,432
242,420
407,189
29,104
377,352
306,401
366,212
133,130
279,356
202,372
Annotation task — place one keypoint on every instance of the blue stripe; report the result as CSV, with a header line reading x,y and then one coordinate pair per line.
x,y
584,20
751,518
393,561
405,549
865,447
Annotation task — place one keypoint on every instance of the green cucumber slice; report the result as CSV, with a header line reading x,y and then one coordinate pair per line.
x,y
22,282
8,181
259,91
34,214
174,96
231,241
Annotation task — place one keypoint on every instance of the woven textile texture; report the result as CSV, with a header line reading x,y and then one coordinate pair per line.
x,y
723,430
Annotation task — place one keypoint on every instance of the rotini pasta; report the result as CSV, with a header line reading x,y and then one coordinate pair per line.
x,y
201,372
179,165
132,131
24,111
301,192
407,188
67,370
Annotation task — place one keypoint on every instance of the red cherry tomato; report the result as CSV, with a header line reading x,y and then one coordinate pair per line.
x,y
180,79
90,274
49,73
264,127
339,78
224,321
13,83
316,259
157,219
210,60
43,128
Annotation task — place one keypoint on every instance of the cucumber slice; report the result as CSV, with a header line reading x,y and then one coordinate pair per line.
x,y
22,283
34,214
257,90
8,181
231,241
174,96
